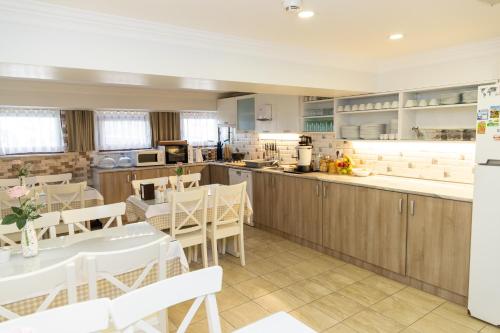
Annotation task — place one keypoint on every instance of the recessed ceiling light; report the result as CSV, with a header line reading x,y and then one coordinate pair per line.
x,y
306,14
396,36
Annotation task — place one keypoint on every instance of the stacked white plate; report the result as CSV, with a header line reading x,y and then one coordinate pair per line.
x,y
393,126
371,131
350,132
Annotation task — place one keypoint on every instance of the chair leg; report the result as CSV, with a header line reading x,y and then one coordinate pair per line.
x,y
223,250
235,246
242,250
204,253
190,254
196,253
215,253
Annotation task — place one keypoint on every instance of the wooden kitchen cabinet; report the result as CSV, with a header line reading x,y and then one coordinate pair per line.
x,y
145,174
306,214
115,186
367,224
439,242
204,170
263,199
219,174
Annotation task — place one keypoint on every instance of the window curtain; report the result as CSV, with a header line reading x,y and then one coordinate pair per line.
x,y
80,129
199,128
30,130
164,126
122,130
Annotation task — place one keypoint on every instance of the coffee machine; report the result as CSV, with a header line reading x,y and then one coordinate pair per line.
x,y
304,154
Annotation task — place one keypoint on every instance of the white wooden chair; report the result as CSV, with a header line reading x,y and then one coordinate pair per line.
x,y
187,181
278,322
9,234
84,317
64,196
63,178
188,211
76,217
160,182
48,282
228,218
129,311
107,265
11,182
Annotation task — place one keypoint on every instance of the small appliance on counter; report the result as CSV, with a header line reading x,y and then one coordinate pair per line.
x,y
148,157
125,162
175,151
198,155
106,163
304,154
147,191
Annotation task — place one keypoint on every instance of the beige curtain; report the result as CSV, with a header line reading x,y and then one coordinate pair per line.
x,y
80,129
165,126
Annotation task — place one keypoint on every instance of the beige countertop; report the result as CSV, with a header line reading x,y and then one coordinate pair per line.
x,y
438,189
118,169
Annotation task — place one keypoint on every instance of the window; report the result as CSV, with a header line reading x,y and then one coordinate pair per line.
x,y
122,130
30,130
199,128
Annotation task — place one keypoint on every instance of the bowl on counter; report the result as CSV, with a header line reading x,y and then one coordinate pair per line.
x,y
238,156
106,163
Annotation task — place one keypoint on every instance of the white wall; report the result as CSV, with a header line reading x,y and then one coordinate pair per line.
x,y
43,35
63,95
454,66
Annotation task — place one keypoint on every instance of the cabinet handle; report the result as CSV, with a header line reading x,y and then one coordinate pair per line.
x,y
401,206
317,190
412,208
324,191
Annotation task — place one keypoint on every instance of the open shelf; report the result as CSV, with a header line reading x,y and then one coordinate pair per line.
x,y
441,107
319,101
318,117
367,111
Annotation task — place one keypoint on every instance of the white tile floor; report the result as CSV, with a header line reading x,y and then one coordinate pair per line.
x,y
327,294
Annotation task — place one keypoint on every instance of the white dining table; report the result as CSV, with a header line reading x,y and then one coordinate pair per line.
x,y
55,250
150,208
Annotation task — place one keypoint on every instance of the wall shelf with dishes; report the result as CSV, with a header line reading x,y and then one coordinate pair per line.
x,y
317,114
443,114
367,117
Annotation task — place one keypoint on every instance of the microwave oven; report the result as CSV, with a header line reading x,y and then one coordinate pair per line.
x,y
148,157
175,151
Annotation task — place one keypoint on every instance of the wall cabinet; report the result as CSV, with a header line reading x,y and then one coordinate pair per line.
x,y
226,112
285,113
439,242
245,114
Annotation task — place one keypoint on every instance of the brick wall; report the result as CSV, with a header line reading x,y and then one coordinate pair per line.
x,y
48,164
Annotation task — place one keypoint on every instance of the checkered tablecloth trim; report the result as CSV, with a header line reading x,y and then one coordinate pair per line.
x,y
104,289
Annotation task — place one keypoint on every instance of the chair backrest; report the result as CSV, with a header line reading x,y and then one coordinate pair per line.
x,y
161,182
48,282
84,317
187,181
6,203
129,310
11,182
76,217
229,206
188,211
107,265
63,178
47,222
65,196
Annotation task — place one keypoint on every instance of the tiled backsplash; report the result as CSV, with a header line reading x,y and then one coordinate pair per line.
x,y
76,163
453,162
253,146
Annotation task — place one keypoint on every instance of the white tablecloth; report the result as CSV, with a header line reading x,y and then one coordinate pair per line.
x,y
153,209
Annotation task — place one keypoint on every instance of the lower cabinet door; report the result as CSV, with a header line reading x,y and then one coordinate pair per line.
x,y
306,210
439,242
115,186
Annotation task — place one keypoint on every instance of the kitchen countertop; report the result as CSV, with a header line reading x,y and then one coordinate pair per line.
x,y
438,189
117,169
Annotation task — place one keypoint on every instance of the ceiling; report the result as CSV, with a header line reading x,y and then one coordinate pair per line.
x,y
349,27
